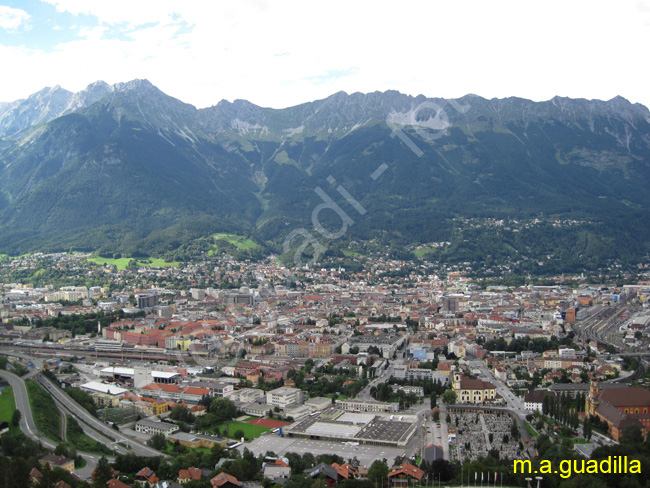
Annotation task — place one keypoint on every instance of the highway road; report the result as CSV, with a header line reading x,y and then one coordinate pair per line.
x,y
87,429
109,441
28,425
109,436
91,426
81,414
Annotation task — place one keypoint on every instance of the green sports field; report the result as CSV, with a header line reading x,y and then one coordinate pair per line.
x,y
250,431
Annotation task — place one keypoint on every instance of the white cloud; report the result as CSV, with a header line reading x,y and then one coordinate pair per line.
x,y
12,18
204,51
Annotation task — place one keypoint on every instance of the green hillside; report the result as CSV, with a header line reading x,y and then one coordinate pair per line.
x,y
147,175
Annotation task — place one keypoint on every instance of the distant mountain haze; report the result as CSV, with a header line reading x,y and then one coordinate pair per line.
x,y
127,168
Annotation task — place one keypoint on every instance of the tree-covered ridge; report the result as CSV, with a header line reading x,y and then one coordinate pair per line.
x,y
141,174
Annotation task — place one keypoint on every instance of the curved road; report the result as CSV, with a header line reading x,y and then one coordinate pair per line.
x,y
81,414
28,425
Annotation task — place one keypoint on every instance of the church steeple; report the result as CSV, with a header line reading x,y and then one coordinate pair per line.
x,y
591,404
456,383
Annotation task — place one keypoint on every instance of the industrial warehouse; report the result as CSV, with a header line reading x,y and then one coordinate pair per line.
x,y
139,376
362,428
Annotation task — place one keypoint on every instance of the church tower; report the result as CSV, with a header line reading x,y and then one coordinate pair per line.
x,y
591,404
456,384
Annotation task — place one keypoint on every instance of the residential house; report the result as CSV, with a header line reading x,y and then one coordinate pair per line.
x,y
224,480
191,474
58,462
346,471
115,483
146,478
329,473
400,477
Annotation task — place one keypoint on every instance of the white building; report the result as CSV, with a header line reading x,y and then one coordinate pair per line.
x,y
152,427
248,395
361,406
284,397
533,400
403,372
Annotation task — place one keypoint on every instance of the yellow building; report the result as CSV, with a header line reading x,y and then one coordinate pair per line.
x,y
194,441
473,391
148,407
58,462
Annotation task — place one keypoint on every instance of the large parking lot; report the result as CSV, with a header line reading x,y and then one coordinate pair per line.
x,y
281,445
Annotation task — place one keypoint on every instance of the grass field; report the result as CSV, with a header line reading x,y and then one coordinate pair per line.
x,y
351,254
9,258
7,408
46,415
122,263
7,404
250,431
422,251
238,241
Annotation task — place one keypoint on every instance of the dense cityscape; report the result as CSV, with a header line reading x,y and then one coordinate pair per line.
x,y
288,244
274,375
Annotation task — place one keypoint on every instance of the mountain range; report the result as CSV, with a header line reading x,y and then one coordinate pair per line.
x,y
127,169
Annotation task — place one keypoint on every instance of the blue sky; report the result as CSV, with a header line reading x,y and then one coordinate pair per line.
x,y
283,53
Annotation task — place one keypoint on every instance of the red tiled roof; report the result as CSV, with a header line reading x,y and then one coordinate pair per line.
x,y
190,474
35,474
408,470
193,390
115,483
147,474
223,478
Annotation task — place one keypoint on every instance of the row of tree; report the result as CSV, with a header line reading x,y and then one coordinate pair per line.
x,y
562,409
